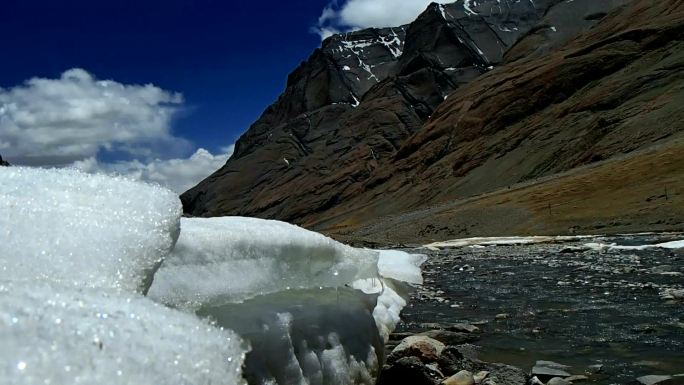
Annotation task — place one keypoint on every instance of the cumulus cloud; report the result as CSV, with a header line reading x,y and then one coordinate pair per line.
x,y
177,174
57,121
358,14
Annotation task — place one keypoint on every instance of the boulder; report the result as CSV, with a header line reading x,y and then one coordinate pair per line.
x,y
424,348
463,377
558,381
408,370
449,337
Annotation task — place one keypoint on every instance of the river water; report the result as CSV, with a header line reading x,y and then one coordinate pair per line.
x,y
562,302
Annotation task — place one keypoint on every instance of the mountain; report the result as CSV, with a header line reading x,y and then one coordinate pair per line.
x,y
3,162
399,134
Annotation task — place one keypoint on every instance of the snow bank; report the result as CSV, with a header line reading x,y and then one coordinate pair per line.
x,y
614,246
499,241
52,334
83,230
230,259
290,293
76,251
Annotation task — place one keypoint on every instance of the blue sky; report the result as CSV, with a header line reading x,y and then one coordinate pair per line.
x,y
156,89
229,59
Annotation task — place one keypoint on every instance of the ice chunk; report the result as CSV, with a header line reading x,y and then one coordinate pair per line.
x,y
306,336
230,259
401,266
83,230
53,334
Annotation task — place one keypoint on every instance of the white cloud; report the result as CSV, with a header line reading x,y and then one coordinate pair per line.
x,y
177,174
57,121
359,14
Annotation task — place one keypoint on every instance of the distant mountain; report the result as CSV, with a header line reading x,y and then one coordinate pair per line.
x,y
3,162
471,98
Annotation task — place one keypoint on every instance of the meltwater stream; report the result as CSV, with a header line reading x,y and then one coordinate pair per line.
x,y
610,301
101,281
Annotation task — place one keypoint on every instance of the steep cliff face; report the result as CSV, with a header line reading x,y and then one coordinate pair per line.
x,y
353,103
478,96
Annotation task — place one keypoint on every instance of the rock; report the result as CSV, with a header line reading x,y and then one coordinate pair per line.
x,y
501,316
551,364
558,381
597,368
450,338
672,294
480,376
463,377
464,328
408,370
535,381
653,379
424,348
577,378
3,162
546,370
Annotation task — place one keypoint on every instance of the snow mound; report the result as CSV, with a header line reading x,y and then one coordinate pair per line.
x,y
56,335
598,246
230,259
83,230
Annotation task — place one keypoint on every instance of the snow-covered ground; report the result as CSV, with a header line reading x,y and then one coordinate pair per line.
x,y
101,281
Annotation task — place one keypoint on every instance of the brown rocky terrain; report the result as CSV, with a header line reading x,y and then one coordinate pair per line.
x,y
571,124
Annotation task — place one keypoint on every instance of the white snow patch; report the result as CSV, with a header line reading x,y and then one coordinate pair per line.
x,y
83,230
613,246
490,241
230,259
53,334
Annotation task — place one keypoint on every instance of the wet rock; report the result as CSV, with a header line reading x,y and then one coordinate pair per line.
x,y
424,348
672,294
408,370
593,369
546,370
502,316
450,338
535,381
558,381
653,380
463,377
480,376
577,378
464,328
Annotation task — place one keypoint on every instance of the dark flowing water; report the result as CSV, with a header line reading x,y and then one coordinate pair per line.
x,y
579,308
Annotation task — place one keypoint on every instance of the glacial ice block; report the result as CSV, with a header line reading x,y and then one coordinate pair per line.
x,y
52,334
83,230
230,259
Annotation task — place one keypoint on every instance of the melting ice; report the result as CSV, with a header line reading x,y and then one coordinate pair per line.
x,y
101,281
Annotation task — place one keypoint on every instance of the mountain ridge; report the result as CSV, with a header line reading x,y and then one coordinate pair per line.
x,y
446,126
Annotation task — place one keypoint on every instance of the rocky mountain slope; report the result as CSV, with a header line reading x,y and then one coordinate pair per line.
x,y
471,98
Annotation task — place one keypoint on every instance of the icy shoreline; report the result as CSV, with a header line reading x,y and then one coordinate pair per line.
x,y
87,263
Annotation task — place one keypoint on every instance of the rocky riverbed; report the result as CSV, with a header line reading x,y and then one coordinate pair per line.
x,y
610,314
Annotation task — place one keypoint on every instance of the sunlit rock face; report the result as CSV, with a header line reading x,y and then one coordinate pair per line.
x,y
97,285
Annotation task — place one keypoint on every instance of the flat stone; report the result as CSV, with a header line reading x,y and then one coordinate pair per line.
x,y
577,378
546,373
551,364
502,316
463,377
653,379
464,328
558,381
535,381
